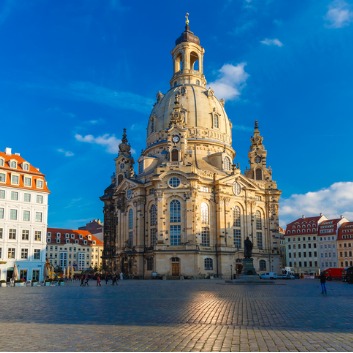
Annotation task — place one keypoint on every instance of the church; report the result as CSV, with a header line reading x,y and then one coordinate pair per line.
x,y
187,210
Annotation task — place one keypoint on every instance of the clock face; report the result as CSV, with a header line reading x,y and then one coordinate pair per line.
x,y
236,188
176,138
122,165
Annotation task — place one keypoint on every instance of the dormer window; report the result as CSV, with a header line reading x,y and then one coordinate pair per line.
x,y
27,181
2,162
25,166
13,164
89,237
80,236
39,183
15,179
93,242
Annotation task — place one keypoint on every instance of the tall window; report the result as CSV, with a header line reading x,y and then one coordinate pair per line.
x,y
37,235
258,174
24,253
11,252
2,212
39,216
27,197
215,121
258,220
39,198
236,217
2,177
237,238
262,265
1,232
26,216
175,155
237,227
174,220
227,163
12,233
13,214
14,195
153,225
259,240
63,259
204,213
36,254
25,234
205,236
208,264
131,227
2,193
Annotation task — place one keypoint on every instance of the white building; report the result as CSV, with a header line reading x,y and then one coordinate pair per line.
x,y
23,217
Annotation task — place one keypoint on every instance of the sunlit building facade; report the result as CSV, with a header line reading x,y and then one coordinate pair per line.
x,y
23,217
188,209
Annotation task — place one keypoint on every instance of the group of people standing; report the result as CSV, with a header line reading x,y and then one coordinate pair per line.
x,y
107,277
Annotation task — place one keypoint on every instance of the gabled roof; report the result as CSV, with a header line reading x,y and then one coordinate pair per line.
x,y
304,225
20,170
345,231
74,234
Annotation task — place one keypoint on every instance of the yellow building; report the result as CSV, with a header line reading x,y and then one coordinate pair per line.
x,y
74,248
189,209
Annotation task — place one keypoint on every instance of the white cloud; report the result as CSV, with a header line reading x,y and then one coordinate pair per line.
x,y
231,80
333,202
272,42
110,142
65,153
339,14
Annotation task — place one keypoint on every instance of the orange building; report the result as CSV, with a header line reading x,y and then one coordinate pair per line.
x,y
345,244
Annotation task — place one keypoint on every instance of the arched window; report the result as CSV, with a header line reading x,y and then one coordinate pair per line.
x,y
131,227
258,174
194,61
153,225
227,163
236,217
262,265
175,155
175,220
120,178
236,227
208,264
179,63
258,220
204,213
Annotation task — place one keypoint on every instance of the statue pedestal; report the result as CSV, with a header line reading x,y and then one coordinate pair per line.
x,y
248,267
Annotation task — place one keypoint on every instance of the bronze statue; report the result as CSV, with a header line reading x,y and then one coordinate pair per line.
x,y
247,248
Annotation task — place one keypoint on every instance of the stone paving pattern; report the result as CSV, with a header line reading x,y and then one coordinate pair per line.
x,y
189,315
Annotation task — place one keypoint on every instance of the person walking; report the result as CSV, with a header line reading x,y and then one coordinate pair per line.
x,y
114,280
106,278
87,279
99,280
82,280
323,283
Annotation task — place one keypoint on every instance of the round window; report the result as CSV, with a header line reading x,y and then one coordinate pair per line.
x,y
174,182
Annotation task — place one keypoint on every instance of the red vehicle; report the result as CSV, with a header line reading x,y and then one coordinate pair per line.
x,y
333,273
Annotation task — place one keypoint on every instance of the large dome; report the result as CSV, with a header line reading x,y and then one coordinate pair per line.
x,y
199,109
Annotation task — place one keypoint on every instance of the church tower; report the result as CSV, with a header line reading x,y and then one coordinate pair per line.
x,y
188,209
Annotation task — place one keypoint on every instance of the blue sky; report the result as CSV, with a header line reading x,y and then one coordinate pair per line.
x,y
73,74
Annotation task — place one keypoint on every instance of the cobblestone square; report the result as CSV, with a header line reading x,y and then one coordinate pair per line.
x,y
189,315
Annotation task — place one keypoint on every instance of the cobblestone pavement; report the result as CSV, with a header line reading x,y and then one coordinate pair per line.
x,y
189,315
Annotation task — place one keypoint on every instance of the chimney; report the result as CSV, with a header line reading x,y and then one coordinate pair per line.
x,y
8,151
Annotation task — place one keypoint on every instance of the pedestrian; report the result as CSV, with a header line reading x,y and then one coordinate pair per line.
x,y
114,280
87,278
323,283
98,280
82,280
106,278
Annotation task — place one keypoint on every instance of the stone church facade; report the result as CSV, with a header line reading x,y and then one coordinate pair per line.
x,y
188,209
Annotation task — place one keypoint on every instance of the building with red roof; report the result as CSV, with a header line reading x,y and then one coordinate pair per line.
x,y
345,244
301,244
74,248
23,218
327,242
